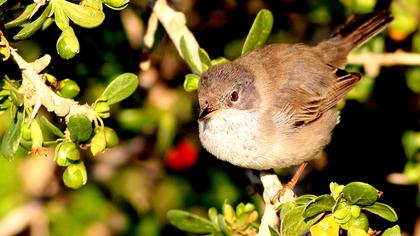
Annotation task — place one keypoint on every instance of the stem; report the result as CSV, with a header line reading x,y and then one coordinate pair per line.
x,y
33,88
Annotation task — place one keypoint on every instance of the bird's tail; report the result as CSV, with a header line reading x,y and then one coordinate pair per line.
x,y
352,34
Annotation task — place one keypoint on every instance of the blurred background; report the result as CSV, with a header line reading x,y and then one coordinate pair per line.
x,y
160,164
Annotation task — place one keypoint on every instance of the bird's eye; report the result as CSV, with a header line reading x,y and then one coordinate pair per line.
x,y
234,96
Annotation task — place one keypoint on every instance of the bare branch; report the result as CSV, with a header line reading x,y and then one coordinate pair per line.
x,y
372,62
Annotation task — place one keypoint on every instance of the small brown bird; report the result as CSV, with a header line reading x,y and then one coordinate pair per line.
x,y
275,106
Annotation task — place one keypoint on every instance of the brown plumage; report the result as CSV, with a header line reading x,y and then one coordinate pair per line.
x,y
275,106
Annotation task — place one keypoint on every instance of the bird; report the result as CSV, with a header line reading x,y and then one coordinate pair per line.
x,y
275,106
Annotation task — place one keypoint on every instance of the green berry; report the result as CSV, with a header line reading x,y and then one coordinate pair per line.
x,y
111,137
67,44
75,175
68,88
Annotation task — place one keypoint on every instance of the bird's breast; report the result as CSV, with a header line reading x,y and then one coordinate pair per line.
x,y
232,135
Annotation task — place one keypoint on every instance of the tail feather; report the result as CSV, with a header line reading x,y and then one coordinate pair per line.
x,y
354,33
363,27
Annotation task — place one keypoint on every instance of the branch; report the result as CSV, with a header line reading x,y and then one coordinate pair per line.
x,y
372,62
35,90
272,186
174,23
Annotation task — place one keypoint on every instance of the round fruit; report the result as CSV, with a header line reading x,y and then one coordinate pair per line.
x,y
75,175
360,222
68,88
111,137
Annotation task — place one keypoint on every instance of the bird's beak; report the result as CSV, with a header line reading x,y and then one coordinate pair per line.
x,y
204,113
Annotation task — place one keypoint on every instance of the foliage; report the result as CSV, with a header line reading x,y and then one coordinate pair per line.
x,y
157,165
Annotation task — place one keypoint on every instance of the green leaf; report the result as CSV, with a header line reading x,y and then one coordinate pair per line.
x,y
293,222
12,135
191,82
22,17
61,19
326,227
360,193
30,28
187,56
2,2
259,31
204,58
80,128
319,205
120,88
84,16
51,127
219,60
273,232
304,199
383,210
393,231
189,222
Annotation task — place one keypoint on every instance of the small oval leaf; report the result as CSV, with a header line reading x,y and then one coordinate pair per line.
x,y
383,210
187,56
191,82
22,17
61,19
51,127
84,16
393,231
259,31
29,29
319,205
360,193
204,58
120,88
189,222
80,128
12,135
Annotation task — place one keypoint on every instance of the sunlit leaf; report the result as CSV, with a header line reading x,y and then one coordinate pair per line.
x,y
383,210
326,227
120,88
61,19
360,193
191,82
80,128
205,59
305,199
353,231
189,222
293,222
30,28
12,135
84,16
259,31
319,205
187,56
393,231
